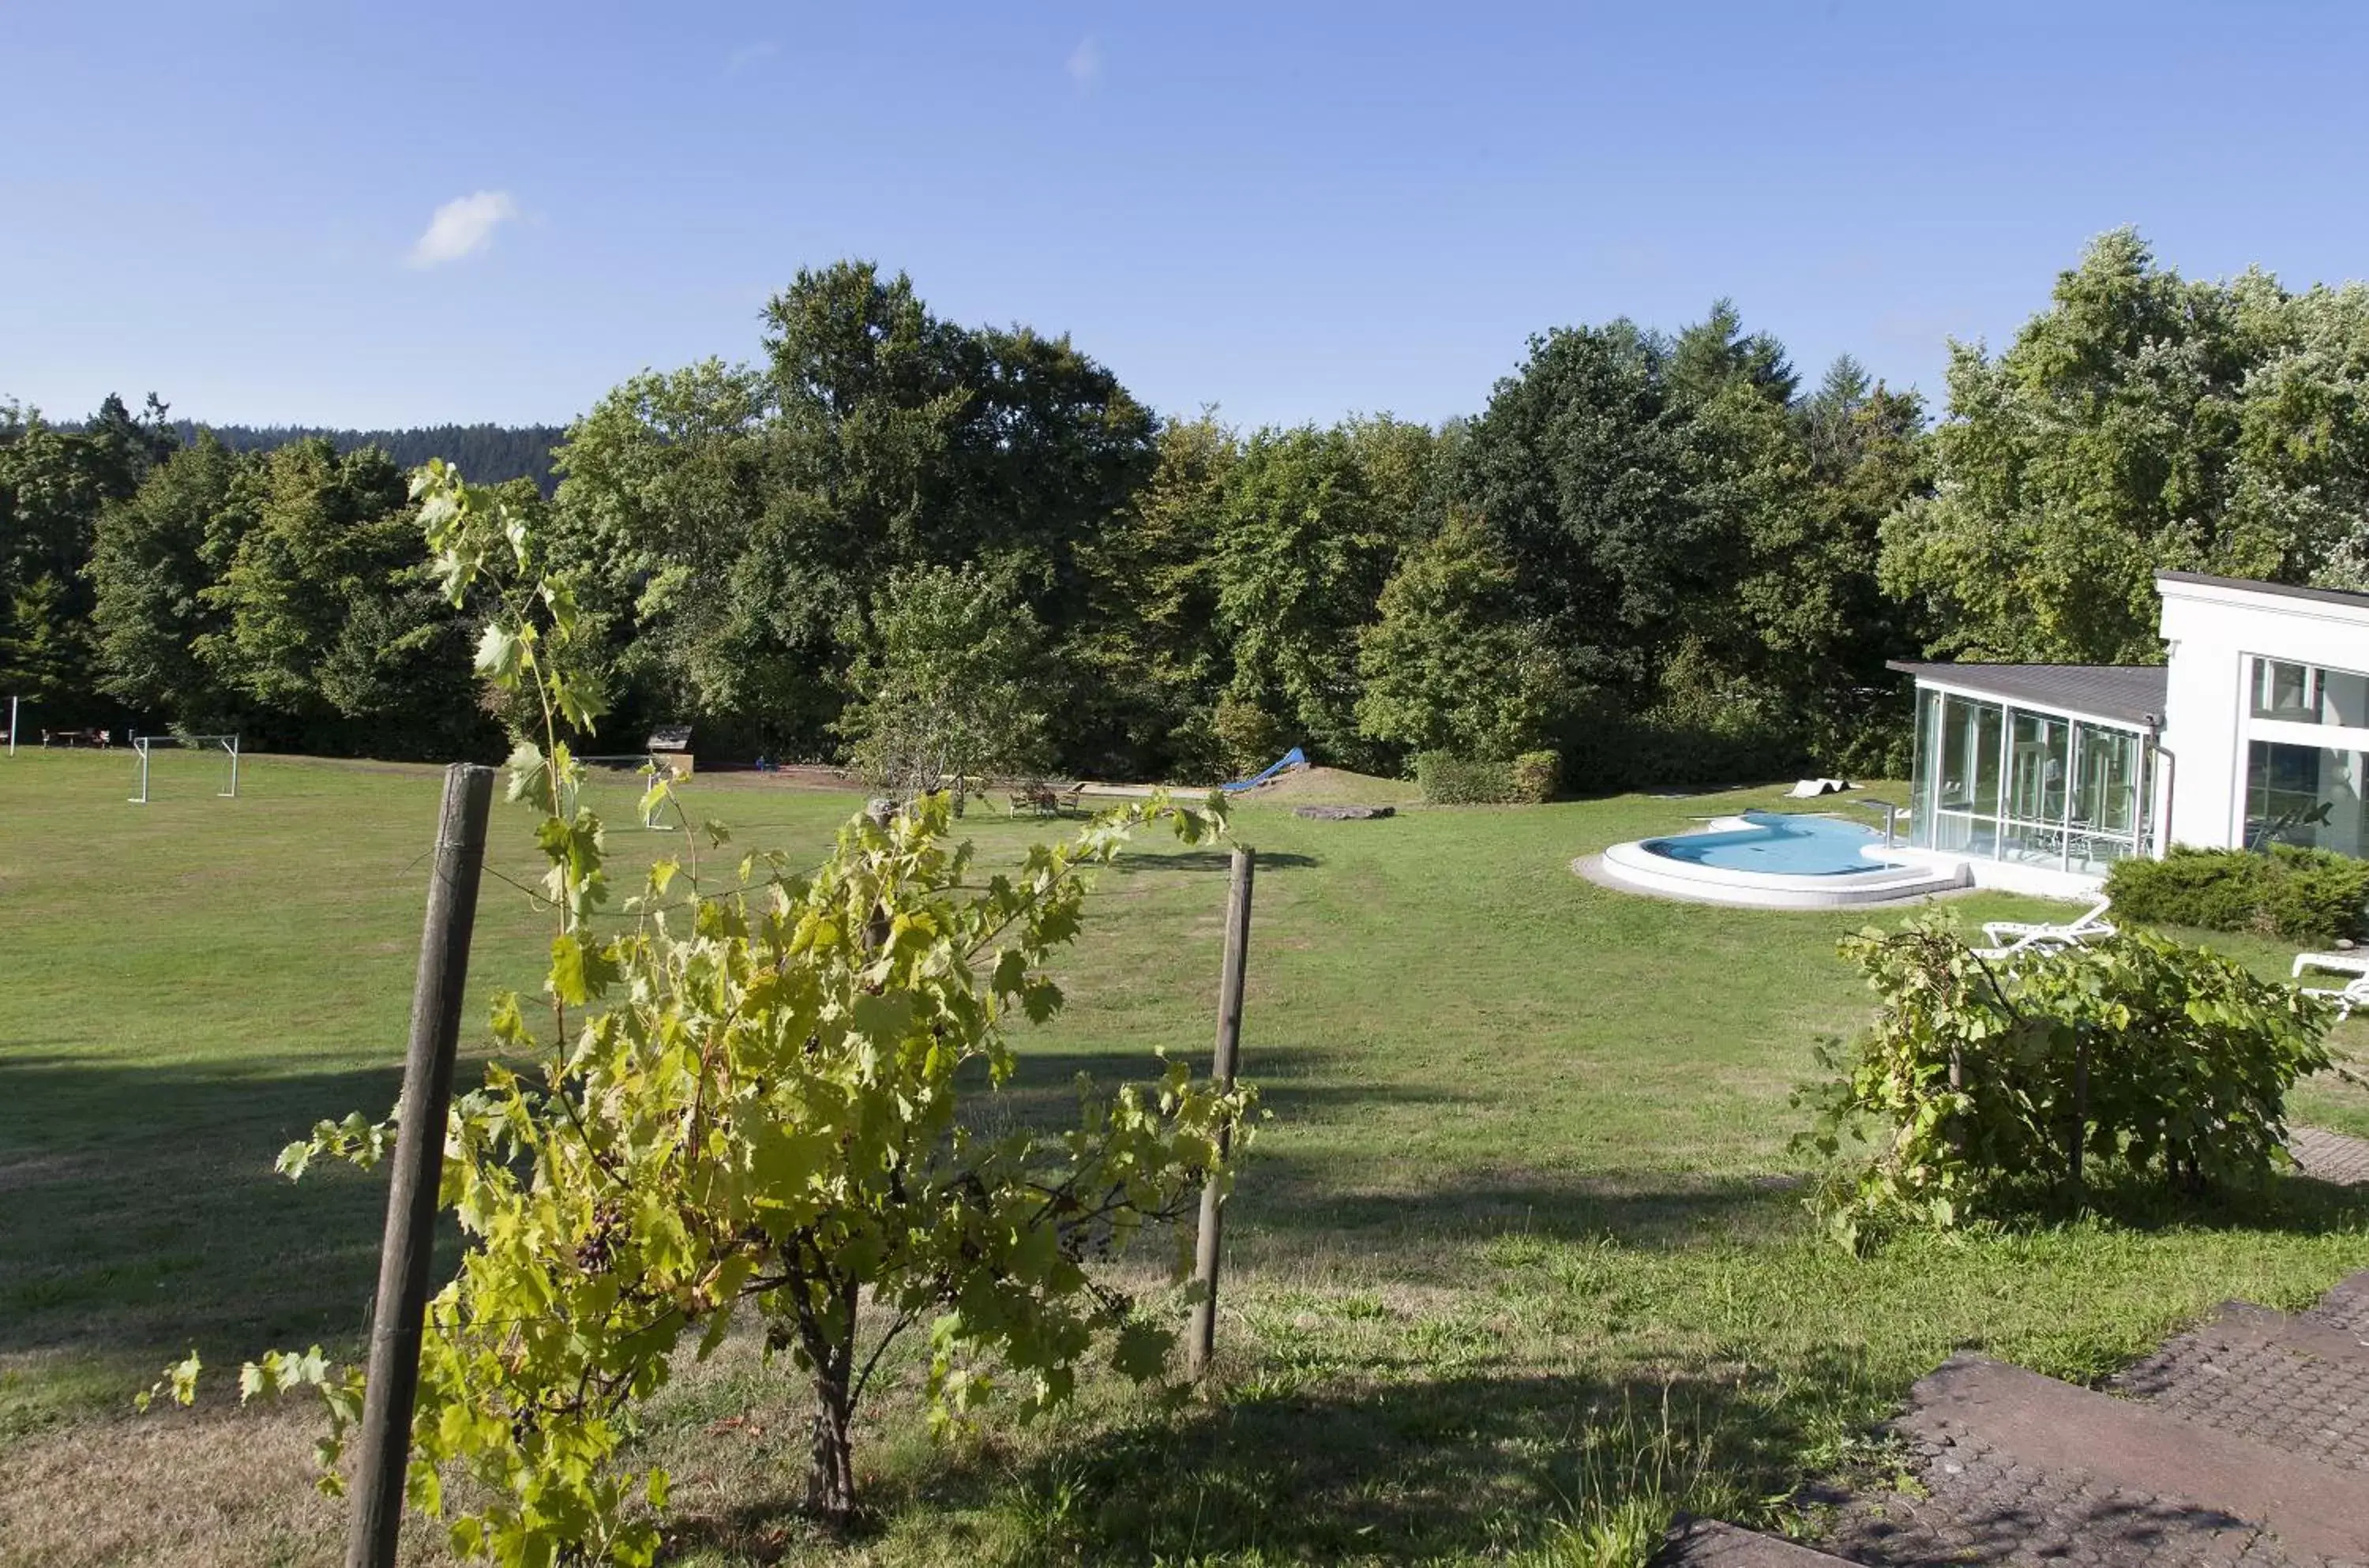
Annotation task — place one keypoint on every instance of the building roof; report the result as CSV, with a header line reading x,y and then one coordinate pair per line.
x,y
2132,693
2283,590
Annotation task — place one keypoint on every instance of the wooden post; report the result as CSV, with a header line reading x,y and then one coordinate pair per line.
x,y
385,1452
1204,1339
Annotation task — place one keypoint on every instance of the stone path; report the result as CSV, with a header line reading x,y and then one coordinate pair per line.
x,y
2243,1442
2330,1156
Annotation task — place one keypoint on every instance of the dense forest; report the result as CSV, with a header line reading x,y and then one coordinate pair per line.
x,y
485,452
1662,555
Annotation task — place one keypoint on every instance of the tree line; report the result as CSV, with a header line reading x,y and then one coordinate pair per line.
x,y
488,454
1661,556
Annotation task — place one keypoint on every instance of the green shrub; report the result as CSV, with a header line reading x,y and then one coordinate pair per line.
x,y
2301,894
1978,1088
1534,775
2316,895
1248,736
1449,780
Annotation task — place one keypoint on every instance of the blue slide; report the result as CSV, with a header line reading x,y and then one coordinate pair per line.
x,y
1294,758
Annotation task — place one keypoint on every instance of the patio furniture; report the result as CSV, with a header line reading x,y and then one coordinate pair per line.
x,y
2336,963
2016,934
2347,997
1046,800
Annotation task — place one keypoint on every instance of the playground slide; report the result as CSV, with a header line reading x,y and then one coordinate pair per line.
x,y
1294,758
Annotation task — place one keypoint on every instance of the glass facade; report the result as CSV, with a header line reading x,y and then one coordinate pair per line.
x,y
2297,792
2000,782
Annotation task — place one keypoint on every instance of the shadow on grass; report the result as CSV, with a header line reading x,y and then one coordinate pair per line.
x,y
1138,861
2289,1204
1451,1467
141,1215
1309,1084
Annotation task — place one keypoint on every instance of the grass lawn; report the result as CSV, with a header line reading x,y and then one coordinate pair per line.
x,y
1517,1266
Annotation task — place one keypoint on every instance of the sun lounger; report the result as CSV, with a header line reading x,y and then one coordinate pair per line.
x,y
2346,998
2091,922
2355,963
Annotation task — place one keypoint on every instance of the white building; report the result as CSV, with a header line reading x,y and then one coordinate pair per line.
x,y
2254,729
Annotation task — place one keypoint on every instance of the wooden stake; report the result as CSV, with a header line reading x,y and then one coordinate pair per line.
x,y
385,1452
1204,1340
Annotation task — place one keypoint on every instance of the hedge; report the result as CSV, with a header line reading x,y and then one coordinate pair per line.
x,y
2307,896
1449,780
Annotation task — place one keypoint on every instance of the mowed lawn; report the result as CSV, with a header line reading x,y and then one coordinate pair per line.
x,y
1519,1262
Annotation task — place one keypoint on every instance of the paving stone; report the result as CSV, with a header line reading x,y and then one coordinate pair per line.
x,y
1981,1506
2241,1444
2295,1384
2330,1156
2346,1308
2054,1431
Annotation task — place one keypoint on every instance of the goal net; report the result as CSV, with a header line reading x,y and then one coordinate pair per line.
x,y
188,762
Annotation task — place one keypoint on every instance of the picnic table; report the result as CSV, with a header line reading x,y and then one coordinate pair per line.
x,y
102,738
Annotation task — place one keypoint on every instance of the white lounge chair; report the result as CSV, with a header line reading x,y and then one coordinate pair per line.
x,y
2355,963
2023,935
2346,998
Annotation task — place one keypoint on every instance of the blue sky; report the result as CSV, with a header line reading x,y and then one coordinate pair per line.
x,y
1292,212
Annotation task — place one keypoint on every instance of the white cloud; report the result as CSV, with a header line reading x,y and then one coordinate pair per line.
x,y
749,56
463,226
1085,62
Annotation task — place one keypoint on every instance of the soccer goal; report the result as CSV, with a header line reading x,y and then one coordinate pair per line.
x,y
634,770
221,748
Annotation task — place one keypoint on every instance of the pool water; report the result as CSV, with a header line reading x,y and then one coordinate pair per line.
x,y
1777,845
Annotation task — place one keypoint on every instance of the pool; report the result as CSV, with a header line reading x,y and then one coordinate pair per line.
x,y
1773,860
1774,844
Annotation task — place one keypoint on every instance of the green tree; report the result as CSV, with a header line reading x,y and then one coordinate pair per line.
x,y
1798,629
949,685
1583,469
54,483
325,623
2142,422
664,485
1148,659
733,522
1453,664
1300,560
149,570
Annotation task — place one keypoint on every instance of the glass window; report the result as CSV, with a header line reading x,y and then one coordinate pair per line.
x,y
1920,775
2343,698
2284,690
2040,776
2304,694
2104,824
1966,778
2309,796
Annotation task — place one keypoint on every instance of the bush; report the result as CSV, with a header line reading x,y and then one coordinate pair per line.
x,y
2306,896
1535,775
1449,780
1978,1087
1249,737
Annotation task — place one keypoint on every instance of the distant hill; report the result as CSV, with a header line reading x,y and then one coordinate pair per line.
x,y
486,454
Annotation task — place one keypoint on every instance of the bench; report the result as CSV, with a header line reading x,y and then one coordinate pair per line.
x,y
1042,799
102,738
